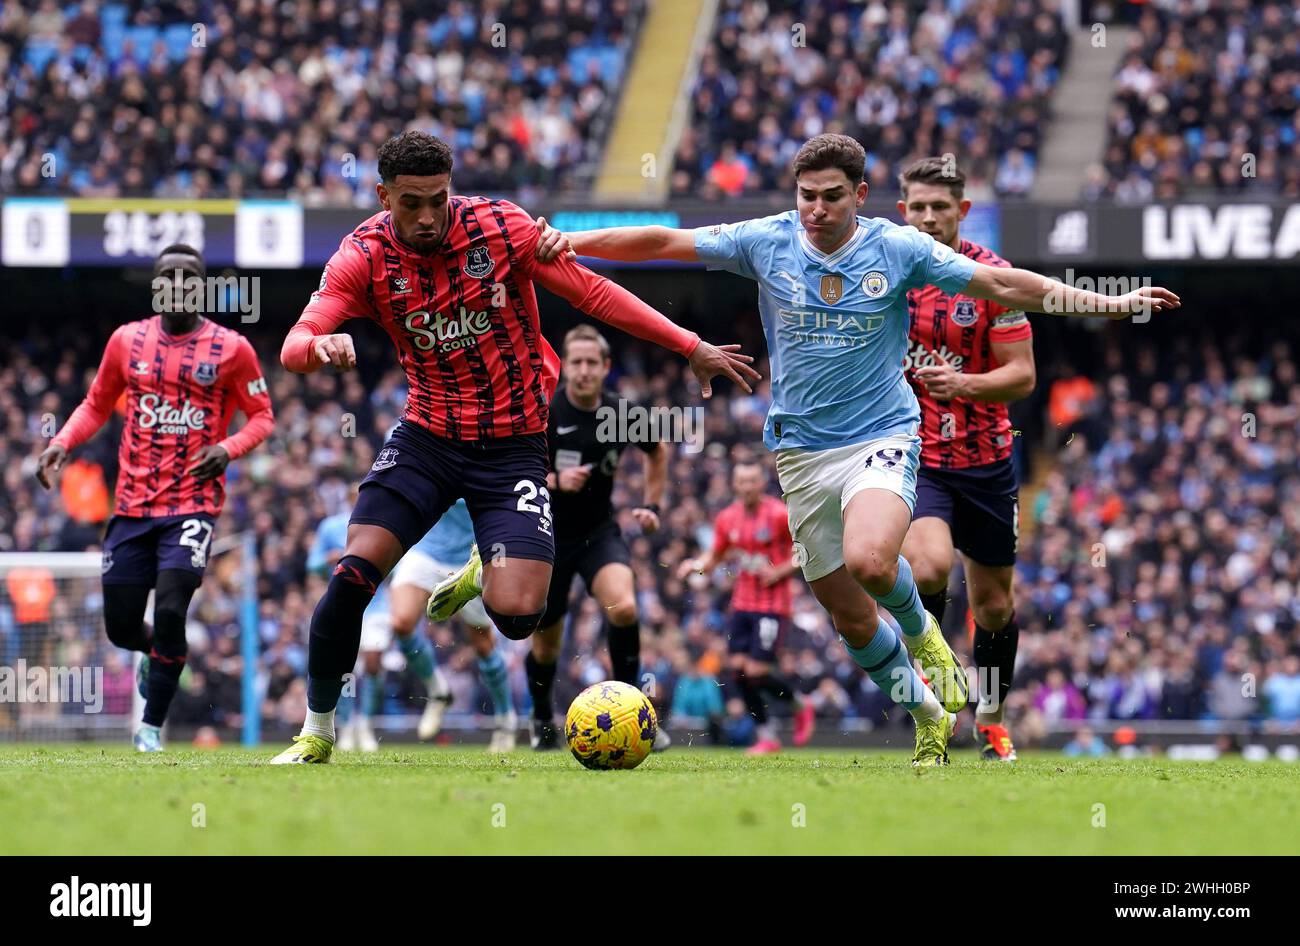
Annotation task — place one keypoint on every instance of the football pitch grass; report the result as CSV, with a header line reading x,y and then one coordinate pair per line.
x,y
105,800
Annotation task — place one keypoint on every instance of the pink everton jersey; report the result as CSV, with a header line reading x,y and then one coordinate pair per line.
x,y
181,393
755,539
961,433
464,318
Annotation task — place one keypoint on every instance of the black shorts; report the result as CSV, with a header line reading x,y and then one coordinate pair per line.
x,y
980,505
137,548
757,634
585,557
418,475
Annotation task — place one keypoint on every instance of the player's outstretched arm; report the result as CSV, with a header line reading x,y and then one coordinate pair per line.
x,y
1032,292
90,415
611,303
625,244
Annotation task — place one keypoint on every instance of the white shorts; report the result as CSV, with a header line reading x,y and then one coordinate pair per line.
x,y
424,573
818,484
377,632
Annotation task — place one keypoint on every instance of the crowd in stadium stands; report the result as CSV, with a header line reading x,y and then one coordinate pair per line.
x,y
1206,103
228,98
1157,578
969,77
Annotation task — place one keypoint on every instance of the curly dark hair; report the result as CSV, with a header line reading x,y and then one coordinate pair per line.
x,y
413,152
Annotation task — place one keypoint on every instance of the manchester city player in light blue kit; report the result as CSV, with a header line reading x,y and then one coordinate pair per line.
x,y
425,564
832,294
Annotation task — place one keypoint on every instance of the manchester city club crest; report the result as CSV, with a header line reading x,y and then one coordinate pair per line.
x,y
875,284
386,459
479,262
964,313
205,372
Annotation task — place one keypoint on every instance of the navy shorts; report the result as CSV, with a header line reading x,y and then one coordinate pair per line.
x,y
756,634
585,557
418,475
980,505
137,548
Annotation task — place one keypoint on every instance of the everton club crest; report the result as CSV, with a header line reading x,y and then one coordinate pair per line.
x,y
478,262
964,313
205,372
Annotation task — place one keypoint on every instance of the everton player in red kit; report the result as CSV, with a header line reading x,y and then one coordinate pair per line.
x,y
967,358
754,533
450,279
184,376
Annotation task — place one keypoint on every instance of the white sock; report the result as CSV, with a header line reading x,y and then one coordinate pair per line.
x,y
986,714
930,707
319,724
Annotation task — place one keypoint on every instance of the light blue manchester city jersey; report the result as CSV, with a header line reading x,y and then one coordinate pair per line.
x,y
837,324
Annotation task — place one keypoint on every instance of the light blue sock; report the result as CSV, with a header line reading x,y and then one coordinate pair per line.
x,y
889,666
492,669
370,694
419,655
347,704
904,602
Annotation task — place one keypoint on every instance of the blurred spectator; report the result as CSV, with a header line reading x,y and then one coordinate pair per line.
x,y
970,77
1206,103
1086,743
216,98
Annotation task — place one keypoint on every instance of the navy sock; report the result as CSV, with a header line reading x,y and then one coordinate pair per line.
x,y
336,630
625,653
164,680
541,679
936,603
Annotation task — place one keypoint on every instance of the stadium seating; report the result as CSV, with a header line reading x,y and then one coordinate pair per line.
x,y
523,94
972,78
1206,103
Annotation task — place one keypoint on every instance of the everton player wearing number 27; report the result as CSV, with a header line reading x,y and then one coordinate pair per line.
x,y
450,279
184,376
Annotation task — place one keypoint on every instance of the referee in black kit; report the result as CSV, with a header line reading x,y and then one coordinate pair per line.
x,y
584,450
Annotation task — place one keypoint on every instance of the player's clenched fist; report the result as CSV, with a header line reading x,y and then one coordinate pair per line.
x,y
336,350
50,462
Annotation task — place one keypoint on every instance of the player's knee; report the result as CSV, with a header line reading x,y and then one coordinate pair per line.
x,y
992,611
545,650
871,568
514,626
125,631
931,575
622,613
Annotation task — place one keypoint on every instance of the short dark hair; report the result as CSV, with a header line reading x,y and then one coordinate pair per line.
x,y
586,333
832,151
413,152
180,249
941,171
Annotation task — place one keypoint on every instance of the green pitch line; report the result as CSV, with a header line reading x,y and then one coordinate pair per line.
x,y
91,799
